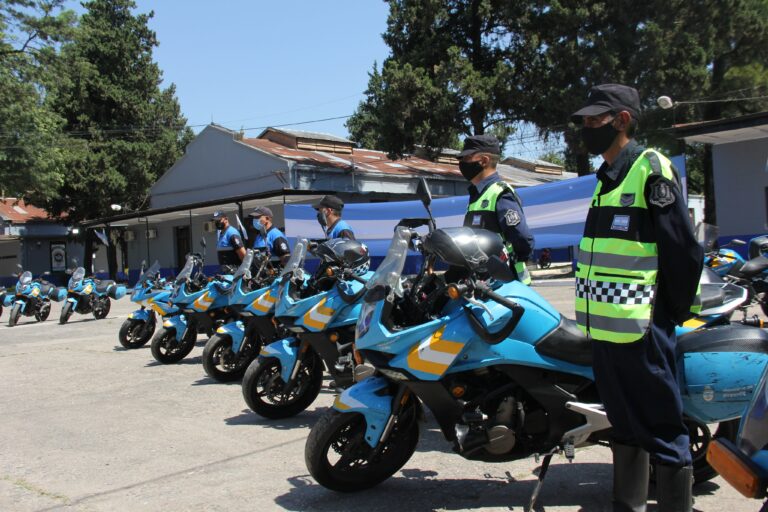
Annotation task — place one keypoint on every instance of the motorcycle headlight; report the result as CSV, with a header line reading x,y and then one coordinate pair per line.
x,y
366,317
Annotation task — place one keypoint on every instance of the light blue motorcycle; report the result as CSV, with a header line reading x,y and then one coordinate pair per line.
x,y
252,299
744,464
321,310
152,293
504,374
86,294
32,298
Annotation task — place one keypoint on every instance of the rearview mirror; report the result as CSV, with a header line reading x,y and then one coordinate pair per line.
x,y
737,241
500,270
19,266
422,191
203,243
47,273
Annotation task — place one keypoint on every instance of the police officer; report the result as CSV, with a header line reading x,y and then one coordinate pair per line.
x,y
329,216
493,203
637,276
229,246
275,241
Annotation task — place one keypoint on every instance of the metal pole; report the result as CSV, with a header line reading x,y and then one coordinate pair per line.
x,y
146,236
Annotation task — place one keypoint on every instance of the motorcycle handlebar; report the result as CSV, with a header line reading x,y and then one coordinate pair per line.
x,y
489,337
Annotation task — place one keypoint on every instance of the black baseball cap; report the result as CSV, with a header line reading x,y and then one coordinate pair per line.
x,y
218,214
480,144
261,211
329,202
609,98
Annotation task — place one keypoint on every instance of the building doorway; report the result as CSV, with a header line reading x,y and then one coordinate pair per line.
x,y
183,245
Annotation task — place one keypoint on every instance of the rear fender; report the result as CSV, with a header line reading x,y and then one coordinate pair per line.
x,y
286,351
177,322
366,398
235,331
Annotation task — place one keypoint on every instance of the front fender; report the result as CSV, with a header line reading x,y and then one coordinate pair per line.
x,y
140,315
22,303
72,301
366,398
235,331
177,322
286,351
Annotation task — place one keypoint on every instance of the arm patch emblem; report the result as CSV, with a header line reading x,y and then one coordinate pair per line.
x,y
512,217
661,194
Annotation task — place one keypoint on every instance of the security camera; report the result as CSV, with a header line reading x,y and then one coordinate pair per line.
x,y
665,102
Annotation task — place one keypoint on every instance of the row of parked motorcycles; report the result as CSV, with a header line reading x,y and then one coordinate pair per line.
x,y
83,294
504,374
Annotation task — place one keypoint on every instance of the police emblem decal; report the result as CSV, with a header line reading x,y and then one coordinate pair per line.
x,y
620,223
512,217
484,203
661,194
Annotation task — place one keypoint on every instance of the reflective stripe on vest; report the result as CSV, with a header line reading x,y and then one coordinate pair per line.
x,y
485,207
617,270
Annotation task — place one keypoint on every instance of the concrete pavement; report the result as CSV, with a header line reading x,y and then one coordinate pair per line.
x,y
88,426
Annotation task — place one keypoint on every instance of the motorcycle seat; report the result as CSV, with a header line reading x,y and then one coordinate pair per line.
x,y
727,338
712,296
103,286
567,343
753,267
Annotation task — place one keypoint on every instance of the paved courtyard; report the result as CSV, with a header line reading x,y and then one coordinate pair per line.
x,y
88,426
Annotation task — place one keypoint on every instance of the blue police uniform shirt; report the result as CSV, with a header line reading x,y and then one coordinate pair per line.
x,y
337,230
273,235
225,239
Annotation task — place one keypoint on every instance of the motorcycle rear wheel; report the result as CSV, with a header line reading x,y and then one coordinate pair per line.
x,y
341,436
167,350
221,363
66,312
102,307
263,387
132,334
15,314
45,311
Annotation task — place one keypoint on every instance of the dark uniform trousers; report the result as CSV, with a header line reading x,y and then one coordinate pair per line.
x,y
638,385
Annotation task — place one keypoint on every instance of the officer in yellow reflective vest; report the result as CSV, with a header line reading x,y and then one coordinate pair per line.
x,y
493,203
637,276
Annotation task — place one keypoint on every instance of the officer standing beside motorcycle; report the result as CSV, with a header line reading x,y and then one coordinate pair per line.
x,y
493,203
275,241
329,216
637,276
229,245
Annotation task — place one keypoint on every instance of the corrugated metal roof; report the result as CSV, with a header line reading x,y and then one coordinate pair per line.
x,y
309,135
17,211
365,160
525,178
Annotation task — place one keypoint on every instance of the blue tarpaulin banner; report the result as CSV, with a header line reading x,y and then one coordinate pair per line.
x,y
555,213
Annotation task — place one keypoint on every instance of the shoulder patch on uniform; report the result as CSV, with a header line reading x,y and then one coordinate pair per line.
x,y
661,194
484,203
512,217
653,159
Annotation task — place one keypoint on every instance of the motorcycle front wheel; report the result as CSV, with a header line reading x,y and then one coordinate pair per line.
x,y
14,316
264,389
134,334
66,312
167,350
224,365
339,458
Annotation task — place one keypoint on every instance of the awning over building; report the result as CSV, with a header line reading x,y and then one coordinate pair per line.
x,y
725,131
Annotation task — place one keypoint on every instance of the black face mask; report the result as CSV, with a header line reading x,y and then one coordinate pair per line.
x,y
598,140
219,225
470,169
321,219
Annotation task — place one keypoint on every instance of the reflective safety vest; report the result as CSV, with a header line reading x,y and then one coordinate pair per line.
x,y
617,269
482,214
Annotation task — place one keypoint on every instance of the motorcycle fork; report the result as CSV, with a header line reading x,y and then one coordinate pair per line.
x,y
303,348
398,402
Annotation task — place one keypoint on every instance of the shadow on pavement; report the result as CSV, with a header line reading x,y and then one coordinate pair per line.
x,y
586,485
206,381
190,360
304,419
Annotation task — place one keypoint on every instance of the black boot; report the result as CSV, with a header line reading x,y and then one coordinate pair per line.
x,y
630,478
673,488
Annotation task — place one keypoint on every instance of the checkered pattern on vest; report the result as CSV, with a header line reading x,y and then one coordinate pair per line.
x,y
614,293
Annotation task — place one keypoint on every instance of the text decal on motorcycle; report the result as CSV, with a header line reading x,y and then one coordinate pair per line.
x,y
434,354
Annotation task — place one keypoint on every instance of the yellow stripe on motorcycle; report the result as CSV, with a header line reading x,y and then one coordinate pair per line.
x,y
434,355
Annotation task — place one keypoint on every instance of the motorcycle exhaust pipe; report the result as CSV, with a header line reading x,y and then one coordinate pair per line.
x,y
753,321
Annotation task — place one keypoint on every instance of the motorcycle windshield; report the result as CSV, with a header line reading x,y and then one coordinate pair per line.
x,y
77,276
25,278
186,271
245,265
149,274
296,260
754,426
388,274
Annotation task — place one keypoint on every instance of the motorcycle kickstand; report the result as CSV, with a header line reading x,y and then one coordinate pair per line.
x,y
542,475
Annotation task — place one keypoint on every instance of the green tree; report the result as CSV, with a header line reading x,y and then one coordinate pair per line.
x,y
31,157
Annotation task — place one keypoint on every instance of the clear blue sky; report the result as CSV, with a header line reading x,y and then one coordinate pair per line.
x,y
248,63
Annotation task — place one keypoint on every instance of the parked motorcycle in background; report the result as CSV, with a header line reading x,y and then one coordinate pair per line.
x,y
86,294
32,298
152,293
